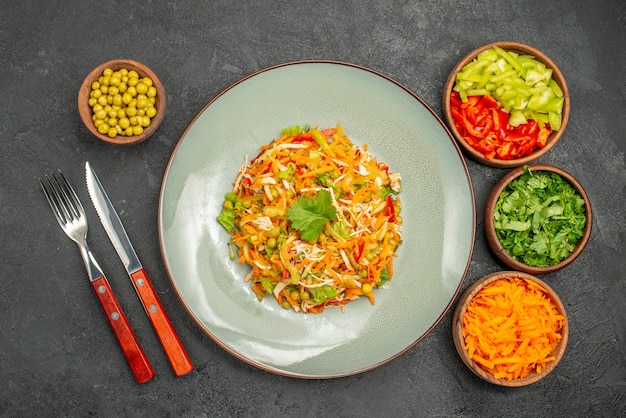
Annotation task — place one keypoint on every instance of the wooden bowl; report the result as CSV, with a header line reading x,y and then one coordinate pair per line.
x,y
86,111
490,231
459,341
520,49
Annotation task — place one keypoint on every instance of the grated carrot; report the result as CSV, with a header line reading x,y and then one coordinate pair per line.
x,y
511,327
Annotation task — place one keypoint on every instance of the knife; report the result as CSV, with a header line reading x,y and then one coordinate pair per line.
x,y
154,309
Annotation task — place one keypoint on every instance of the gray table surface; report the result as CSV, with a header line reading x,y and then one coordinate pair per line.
x,y
57,354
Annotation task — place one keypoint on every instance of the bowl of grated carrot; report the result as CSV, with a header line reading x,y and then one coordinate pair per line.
x,y
510,328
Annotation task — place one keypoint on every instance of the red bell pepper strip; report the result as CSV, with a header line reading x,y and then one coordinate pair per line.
x,y
268,168
485,127
389,209
358,251
303,137
542,138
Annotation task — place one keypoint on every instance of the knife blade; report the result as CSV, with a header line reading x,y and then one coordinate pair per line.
x,y
181,364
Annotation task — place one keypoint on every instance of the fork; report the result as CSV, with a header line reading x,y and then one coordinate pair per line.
x,y
70,214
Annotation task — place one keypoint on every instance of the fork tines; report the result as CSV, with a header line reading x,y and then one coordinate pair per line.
x,y
61,197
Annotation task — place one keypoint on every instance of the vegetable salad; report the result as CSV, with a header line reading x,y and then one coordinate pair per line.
x,y
316,217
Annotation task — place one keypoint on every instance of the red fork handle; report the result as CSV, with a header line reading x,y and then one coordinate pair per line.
x,y
181,364
137,360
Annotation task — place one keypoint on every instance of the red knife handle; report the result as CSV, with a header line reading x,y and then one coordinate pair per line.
x,y
139,364
164,329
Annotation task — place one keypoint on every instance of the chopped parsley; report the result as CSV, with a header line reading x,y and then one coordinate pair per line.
x,y
539,218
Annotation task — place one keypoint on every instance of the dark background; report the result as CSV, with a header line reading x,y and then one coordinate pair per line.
x,y
57,354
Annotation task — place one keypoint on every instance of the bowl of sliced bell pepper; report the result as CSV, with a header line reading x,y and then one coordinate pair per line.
x,y
506,104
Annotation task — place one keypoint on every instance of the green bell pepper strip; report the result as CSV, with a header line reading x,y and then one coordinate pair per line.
x,y
293,272
321,141
509,58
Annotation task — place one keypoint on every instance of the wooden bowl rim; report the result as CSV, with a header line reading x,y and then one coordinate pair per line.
x,y
143,71
490,232
521,48
457,331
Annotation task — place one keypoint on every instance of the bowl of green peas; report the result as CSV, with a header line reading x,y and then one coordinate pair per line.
x,y
122,102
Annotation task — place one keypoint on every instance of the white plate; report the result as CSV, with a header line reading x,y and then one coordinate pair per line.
x,y
438,213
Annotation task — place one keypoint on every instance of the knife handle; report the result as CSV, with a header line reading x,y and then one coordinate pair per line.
x,y
137,360
163,327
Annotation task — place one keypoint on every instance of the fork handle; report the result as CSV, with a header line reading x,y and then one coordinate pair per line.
x,y
181,364
137,359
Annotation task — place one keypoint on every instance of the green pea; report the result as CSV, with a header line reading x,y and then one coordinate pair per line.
x,y
366,288
141,88
142,102
228,205
127,98
274,232
103,128
117,100
100,114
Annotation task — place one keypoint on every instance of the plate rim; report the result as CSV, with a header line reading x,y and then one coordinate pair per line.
x,y
222,344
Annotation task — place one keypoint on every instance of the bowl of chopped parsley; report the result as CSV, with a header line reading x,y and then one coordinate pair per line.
x,y
538,219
